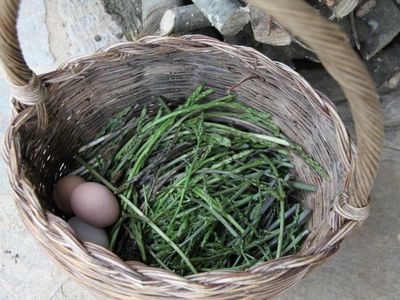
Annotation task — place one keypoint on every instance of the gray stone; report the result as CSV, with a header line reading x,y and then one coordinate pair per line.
x,y
34,36
73,27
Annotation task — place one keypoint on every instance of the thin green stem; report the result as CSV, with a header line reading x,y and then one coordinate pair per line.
x,y
159,232
138,212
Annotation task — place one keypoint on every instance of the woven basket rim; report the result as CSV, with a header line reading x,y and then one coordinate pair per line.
x,y
302,263
91,265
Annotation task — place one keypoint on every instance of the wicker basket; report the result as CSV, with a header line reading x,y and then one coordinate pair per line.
x,y
57,112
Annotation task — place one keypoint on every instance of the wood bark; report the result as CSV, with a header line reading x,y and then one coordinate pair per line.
x,y
266,31
228,16
384,21
341,8
152,12
148,6
183,19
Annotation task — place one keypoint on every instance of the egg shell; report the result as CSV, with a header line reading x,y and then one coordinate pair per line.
x,y
95,204
89,233
63,191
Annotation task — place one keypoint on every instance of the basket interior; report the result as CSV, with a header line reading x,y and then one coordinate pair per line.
x,y
84,94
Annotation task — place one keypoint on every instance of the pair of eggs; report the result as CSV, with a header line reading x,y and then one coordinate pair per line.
x,y
94,205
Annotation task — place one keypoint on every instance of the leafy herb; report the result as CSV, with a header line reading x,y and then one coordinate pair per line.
x,y
207,185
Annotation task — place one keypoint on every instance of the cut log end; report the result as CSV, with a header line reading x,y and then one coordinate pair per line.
x,y
183,19
227,16
343,7
167,23
266,31
236,22
151,5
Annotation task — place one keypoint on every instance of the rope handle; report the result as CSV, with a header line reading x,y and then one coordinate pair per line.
x,y
17,71
324,37
27,89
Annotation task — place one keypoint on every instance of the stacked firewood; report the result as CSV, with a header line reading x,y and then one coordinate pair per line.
x,y
371,25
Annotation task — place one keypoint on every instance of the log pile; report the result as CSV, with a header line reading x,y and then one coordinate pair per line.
x,y
372,27
183,19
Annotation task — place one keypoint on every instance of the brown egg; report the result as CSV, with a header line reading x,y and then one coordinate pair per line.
x,y
95,204
63,191
89,233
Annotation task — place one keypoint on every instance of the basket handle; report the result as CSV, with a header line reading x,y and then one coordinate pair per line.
x,y
340,60
300,19
19,74
26,87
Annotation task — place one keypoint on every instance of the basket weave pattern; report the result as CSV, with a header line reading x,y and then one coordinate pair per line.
x,y
57,112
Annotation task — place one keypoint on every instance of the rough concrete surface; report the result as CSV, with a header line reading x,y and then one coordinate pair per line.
x,y
367,266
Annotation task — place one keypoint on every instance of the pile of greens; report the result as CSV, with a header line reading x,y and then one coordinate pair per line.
x,y
206,185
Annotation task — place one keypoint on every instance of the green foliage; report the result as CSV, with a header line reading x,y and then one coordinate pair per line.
x,y
207,185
